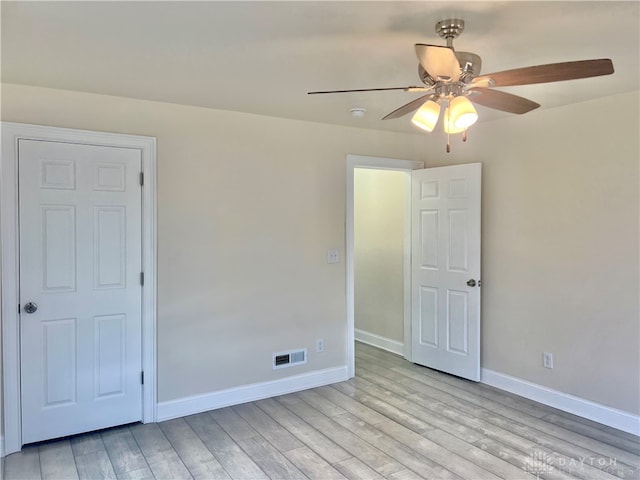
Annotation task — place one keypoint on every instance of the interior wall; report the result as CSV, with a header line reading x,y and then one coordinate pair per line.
x,y
249,205
379,197
560,257
247,208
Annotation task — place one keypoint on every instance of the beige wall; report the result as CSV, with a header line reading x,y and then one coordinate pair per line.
x,y
378,252
560,248
248,206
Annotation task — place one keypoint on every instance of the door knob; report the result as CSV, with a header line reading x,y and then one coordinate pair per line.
x,y
471,283
30,307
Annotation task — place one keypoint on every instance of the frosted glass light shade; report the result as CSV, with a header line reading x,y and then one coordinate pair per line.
x,y
449,127
427,116
462,114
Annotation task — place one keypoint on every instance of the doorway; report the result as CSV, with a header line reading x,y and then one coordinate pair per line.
x,y
379,257
441,265
17,139
403,167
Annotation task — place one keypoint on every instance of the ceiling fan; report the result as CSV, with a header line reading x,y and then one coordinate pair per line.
x,y
452,79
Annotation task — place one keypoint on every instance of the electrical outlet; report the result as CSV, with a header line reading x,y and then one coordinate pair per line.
x,y
320,345
547,360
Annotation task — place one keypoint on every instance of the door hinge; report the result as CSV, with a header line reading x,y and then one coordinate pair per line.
x,y
141,178
141,278
142,377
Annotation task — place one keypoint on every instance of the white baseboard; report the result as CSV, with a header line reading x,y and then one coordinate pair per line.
x,y
379,341
248,393
611,417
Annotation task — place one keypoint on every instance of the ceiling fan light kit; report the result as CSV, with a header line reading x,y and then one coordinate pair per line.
x,y
452,79
426,116
462,114
448,124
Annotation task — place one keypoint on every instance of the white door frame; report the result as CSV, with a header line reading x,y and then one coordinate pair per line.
x,y
377,163
11,133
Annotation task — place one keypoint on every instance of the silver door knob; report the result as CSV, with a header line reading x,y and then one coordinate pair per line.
x,y
30,307
471,283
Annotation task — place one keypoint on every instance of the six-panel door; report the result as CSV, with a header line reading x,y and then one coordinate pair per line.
x,y
80,264
445,293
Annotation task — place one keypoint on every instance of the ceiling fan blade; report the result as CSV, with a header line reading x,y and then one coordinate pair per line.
x,y
406,89
502,101
409,107
552,72
439,62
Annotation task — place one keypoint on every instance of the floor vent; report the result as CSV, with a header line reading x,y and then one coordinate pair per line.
x,y
290,358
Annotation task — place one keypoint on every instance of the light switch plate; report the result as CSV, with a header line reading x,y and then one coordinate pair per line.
x,y
333,256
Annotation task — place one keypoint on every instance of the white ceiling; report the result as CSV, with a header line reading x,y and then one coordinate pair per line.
x,y
262,57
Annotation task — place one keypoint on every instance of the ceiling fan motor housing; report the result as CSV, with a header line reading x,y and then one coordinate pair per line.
x,y
448,90
470,63
470,66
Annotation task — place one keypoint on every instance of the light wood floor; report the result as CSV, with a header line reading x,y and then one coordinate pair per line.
x,y
394,420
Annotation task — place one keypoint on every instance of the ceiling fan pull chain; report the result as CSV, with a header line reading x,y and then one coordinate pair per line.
x,y
464,136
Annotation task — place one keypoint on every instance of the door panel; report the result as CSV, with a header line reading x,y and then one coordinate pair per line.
x,y
429,316
457,322
110,347
109,247
59,357
58,247
446,245
80,261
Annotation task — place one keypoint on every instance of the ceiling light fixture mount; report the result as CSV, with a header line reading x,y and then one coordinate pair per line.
x,y
449,29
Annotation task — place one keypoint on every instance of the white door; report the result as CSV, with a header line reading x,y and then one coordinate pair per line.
x,y
445,269
80,265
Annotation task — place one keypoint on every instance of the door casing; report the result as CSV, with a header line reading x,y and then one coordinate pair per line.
x,y
378,163
9,238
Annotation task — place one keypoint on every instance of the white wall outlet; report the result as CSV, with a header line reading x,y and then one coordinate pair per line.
x,y
320,345
547,360
333,256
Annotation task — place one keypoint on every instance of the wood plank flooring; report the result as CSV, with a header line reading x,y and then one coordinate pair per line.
x,y
394,420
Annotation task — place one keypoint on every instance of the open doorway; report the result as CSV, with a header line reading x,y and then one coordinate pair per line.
x,y
378,254
442,278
